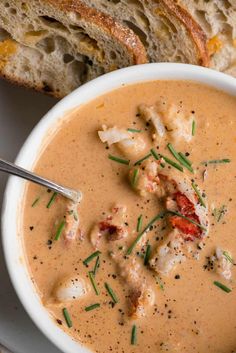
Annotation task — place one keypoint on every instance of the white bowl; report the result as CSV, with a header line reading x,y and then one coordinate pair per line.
x,y
11,211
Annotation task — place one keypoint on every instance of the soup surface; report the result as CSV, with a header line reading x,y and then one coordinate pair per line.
x,y
156,165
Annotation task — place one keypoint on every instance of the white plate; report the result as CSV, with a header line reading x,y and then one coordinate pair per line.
x,y
20,110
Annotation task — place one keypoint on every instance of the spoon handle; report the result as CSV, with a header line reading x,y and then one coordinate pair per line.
x,y
13,169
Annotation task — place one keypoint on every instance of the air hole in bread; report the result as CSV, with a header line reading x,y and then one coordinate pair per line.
x,y
51,22
90,44
47,88
26,68
12,11
4,35
114,1
142,19
137,31
80,70
67,58
47,45
201,15
76,28
113,55
7,4
88,61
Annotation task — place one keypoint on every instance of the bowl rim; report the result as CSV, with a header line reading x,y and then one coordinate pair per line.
x,y
13,251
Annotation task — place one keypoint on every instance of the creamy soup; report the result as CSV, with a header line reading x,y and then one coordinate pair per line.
x,y
145,263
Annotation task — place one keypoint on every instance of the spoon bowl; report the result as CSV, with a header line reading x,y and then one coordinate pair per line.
x,y
75,196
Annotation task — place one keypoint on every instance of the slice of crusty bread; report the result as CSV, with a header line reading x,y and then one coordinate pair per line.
x,y
218,20
167,30
56,46
193,31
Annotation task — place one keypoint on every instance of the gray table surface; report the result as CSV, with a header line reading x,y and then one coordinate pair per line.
x,y
20,110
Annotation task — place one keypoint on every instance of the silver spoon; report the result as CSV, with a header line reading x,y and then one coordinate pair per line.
x,y
13,169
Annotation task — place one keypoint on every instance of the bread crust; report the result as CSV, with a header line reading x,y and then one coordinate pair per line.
x,y
196,32
122,34
16,81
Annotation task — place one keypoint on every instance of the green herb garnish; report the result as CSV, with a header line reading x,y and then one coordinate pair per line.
x,y
67,317
222,286
194,186
52,199
219,213
157,157
60,230
179,158
134,335
92,307
134,178
35,202
188,219
139,223
119,160
185,159
97,265
143,159
172,163
217,161
92,280
133,130
228,257
111,293
193,128
147,255
91,257
159,216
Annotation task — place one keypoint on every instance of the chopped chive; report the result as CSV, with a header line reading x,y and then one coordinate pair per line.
x,y
35,202
219,213
111,293
143,159
97,265
139,223
157,157
91,257
159,282
178,157
134,335
222,286
193,128
172,163
185,159
60,230
147,255
222,211
92,307
92,279
134,177
52,199
159,216
194,186
188,219
118,160
133,130
217,161
67,317
228,257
